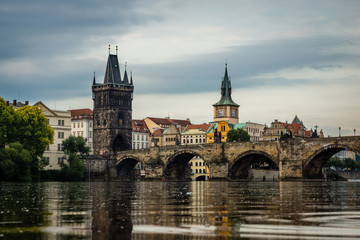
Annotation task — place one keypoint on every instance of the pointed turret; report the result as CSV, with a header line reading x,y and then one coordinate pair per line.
x,y
131,80
226,91
94,80
126,79
296,120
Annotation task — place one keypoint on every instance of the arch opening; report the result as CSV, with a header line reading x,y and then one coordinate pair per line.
x,y
120,144
315,167
185,166
253,165
130,169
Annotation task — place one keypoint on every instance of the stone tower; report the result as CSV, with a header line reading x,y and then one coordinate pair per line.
x,y
226,109
112,110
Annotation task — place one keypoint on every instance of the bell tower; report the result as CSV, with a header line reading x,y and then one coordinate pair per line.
x,y
226,109
112,110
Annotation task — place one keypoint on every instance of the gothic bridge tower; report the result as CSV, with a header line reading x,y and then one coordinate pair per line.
x,y
112,110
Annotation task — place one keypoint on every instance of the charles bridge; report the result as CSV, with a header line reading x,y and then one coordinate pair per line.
x,y
296,158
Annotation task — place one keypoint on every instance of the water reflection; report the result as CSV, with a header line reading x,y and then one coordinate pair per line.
x,y
180,210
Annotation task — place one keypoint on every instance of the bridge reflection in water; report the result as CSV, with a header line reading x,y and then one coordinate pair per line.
x,y
180,210
293,158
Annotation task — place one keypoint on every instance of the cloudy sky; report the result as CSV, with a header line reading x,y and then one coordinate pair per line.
x,y
284,57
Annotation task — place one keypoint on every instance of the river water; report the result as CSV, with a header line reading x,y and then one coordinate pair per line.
x,y
180,210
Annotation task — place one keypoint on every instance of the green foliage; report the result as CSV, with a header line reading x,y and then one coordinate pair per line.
x,y
25,130
346,164
76,171
6,123
15,163
33,130
75,146
238,135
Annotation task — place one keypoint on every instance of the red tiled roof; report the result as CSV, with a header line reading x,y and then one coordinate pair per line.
x,y
158,132
139,126
204,127
84,113
166,121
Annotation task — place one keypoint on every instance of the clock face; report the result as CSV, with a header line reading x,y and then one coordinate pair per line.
x,y
233,113
221,113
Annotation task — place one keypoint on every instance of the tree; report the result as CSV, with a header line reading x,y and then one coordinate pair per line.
x,y
29,127
6,123
34,133
75,148
15,163
238,135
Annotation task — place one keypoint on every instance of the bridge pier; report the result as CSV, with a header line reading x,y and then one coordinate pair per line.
x,y
154,171
290,169
218,170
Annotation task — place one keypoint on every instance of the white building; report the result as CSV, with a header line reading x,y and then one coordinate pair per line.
x,y
60,122
255,130
82,125
140,135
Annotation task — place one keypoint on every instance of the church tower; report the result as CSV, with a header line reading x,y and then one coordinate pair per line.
x,y
226,109
112,110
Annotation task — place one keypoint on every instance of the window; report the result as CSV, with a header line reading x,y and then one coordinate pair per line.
x,y
74,125
74,133
90,124
78,125
61,122
204,170
60,134
90,134
196,163
59,147
60,160
82,125
196,171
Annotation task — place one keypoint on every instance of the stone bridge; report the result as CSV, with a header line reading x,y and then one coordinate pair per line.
x,y
295,158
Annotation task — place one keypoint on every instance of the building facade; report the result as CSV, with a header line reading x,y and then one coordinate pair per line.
x,y
226,109
60,122
218,132
195,134
82,125
112,110
279,129
140,135
165,131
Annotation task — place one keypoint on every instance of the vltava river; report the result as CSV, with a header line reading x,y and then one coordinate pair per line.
x,y
180,210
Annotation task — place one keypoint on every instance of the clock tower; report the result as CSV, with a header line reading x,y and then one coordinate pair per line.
x,y
226,109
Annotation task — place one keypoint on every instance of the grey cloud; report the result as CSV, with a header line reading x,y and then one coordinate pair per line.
x,y
44,28
203,73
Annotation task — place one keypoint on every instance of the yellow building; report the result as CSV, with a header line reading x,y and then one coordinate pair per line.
x,y
218,133
199,169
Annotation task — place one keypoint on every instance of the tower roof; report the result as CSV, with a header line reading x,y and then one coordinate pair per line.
x,y
296,120
226,91
112,74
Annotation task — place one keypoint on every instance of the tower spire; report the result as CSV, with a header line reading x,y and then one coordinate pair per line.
x,y
109,49
94,80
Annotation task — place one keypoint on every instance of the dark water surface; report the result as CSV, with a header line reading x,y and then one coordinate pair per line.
x,y
180,210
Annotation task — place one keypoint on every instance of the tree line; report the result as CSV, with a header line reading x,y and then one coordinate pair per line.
x,y
25,134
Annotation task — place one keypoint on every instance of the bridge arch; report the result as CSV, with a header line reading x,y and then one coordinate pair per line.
x,y
313,165
177,168
125,167
239,168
